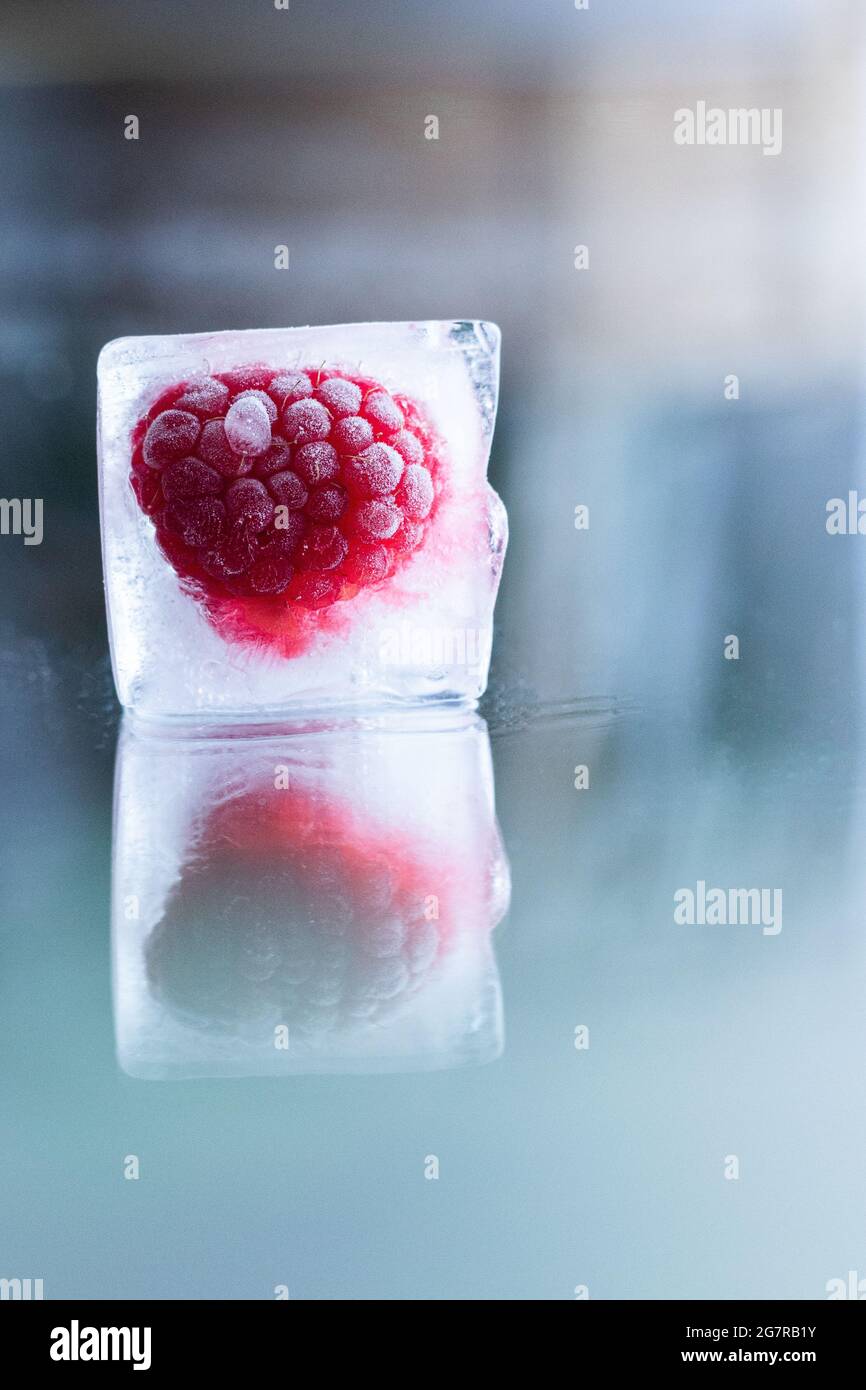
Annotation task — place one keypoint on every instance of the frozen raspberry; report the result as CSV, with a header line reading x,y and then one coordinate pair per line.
x,y
375,472
304,421
341,397
248,501
408,446
316,463
277,457
415,493
287,387
376,520
288,489
352,435
253,394
327,503
382,411
366,564
204,396
323,548
190,477
247,426
283,522
215,449
198,521
172,434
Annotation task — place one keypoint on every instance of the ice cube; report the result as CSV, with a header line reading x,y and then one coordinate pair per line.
x,y
297,518
315,899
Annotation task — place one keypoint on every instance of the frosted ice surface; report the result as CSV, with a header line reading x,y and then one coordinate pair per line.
x,y
367,631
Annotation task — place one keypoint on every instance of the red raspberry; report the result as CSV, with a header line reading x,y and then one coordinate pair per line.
x,y
265,526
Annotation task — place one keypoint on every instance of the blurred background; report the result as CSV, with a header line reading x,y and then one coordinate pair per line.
x,y
306,127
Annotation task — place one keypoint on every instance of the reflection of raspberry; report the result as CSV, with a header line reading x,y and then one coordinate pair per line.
x,y
287,913
295,489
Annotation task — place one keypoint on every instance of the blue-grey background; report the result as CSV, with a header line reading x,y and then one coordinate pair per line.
x,y
558,1168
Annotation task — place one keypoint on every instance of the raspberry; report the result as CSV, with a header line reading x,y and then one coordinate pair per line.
x,y
277,457
264,525
317,462
190,477
352,435
304,421
382,411
247,426
323,548
288,489
327,503
376,520
341,397
204,396
171,435
215,449
415,494
248,501
375,472
262,396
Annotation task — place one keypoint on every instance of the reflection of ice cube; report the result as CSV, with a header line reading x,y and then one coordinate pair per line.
x,y
425,634
307,900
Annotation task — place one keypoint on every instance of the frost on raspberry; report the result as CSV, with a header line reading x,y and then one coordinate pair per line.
x,y
280,495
